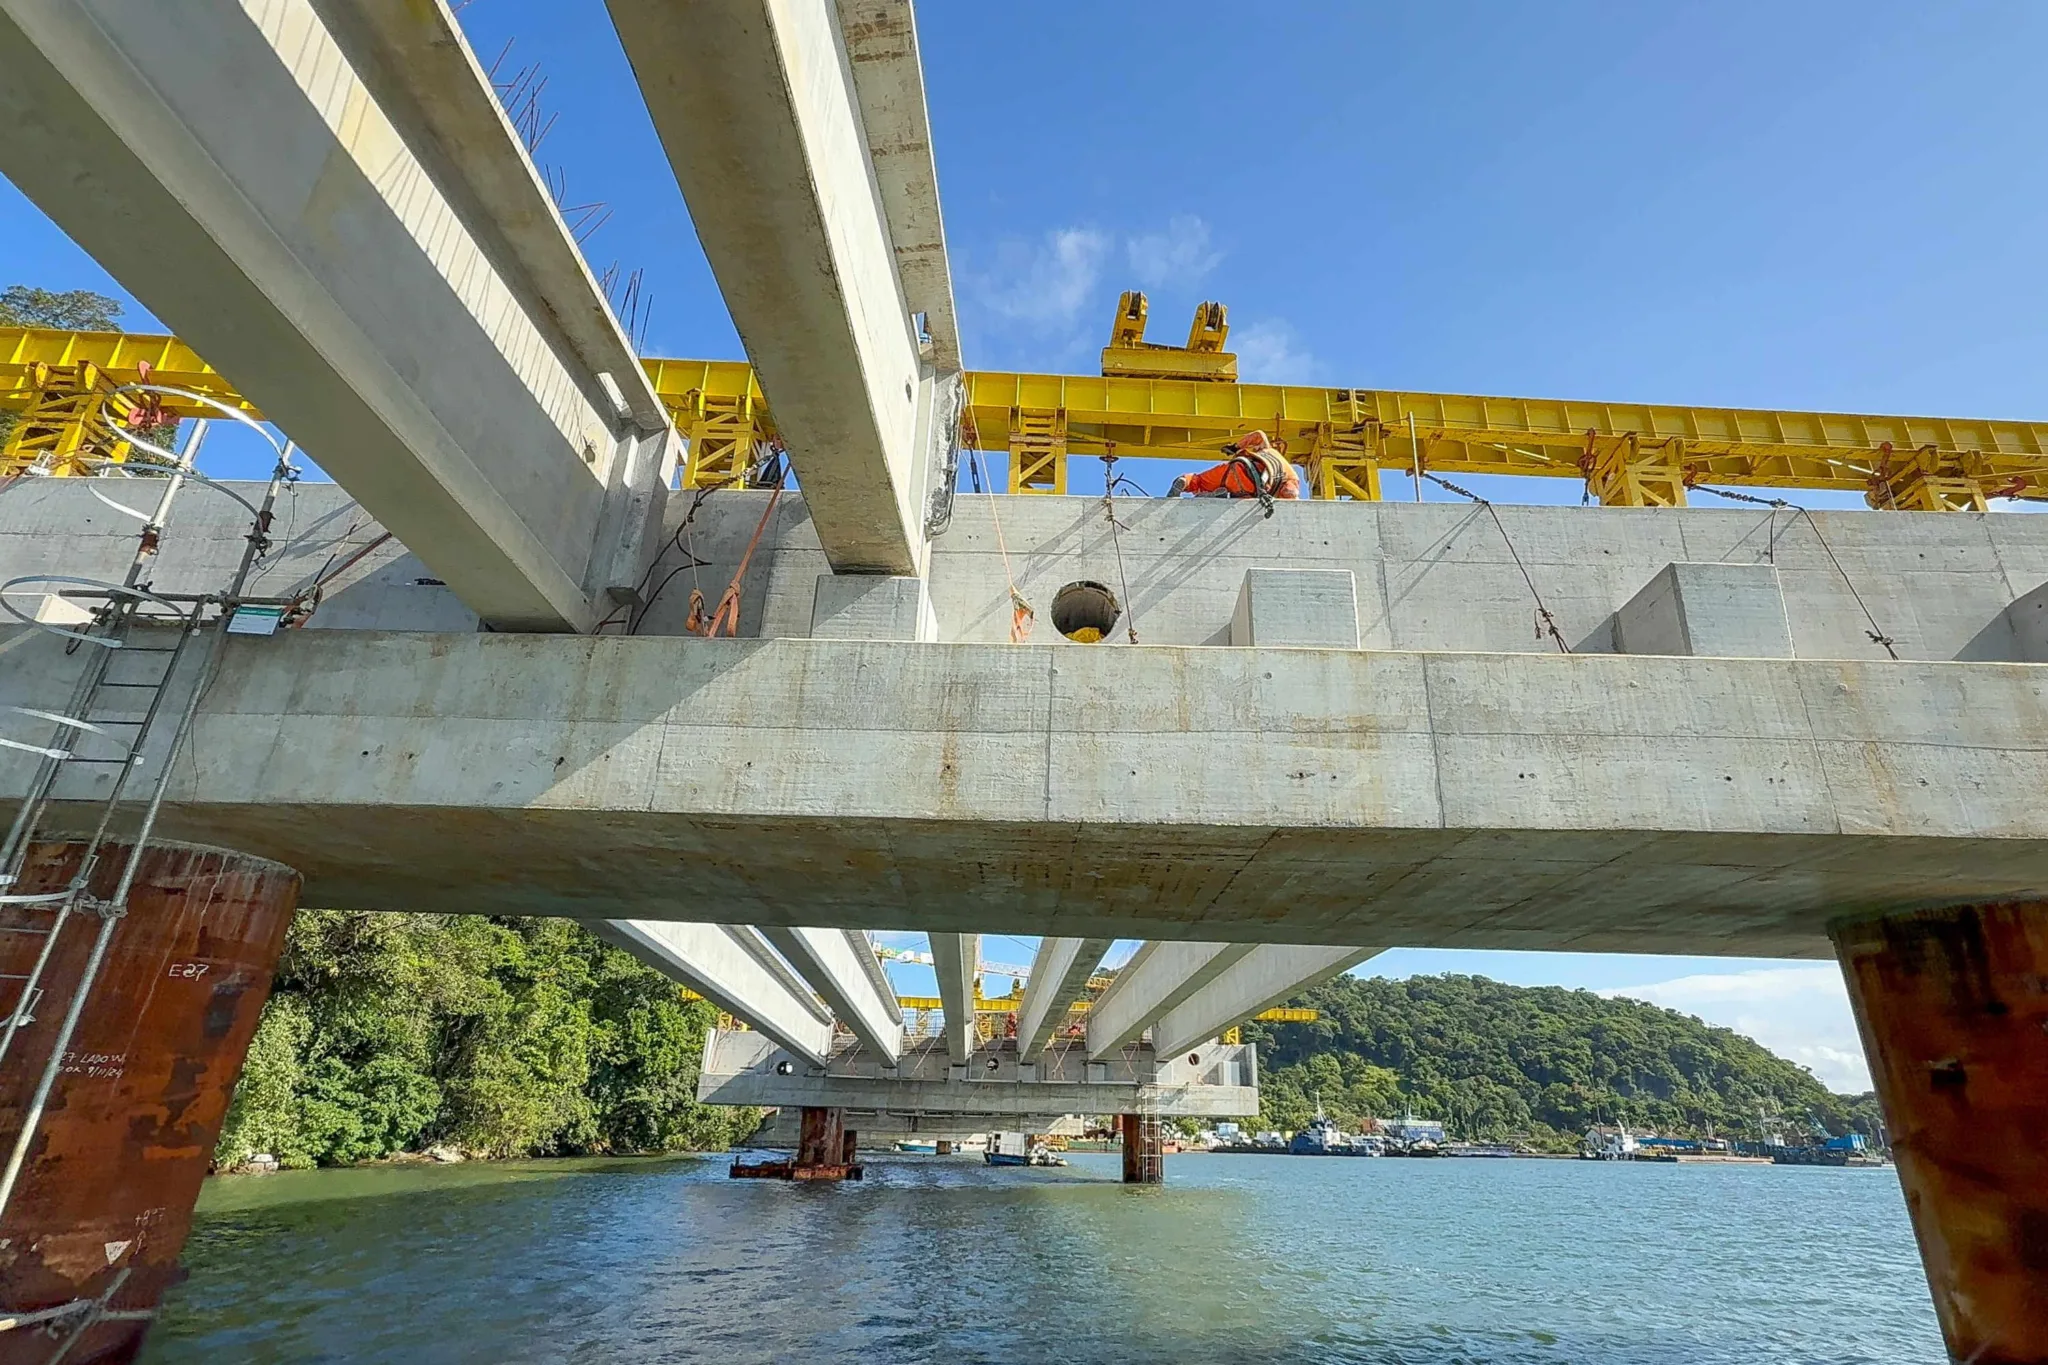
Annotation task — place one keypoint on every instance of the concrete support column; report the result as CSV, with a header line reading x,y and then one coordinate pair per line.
x,y
114,1166
1144,1149
1953,1008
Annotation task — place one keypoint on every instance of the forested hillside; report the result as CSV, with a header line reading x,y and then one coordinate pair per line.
x,y
497,1037
1494,1061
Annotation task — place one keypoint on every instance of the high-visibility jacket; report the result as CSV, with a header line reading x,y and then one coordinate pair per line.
x,y
1231,480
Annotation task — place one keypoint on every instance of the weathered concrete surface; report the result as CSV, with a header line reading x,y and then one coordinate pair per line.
x,y
1596,802
1434,576
355,247
755,104
872,607
740,1068
57,526
1953,1008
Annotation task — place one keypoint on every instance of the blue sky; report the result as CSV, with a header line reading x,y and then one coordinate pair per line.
x,y
1820,205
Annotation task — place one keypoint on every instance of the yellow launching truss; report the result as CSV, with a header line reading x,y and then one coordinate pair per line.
x,y
1626,455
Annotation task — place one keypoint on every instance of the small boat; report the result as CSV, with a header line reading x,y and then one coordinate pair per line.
x,y
927,1147
1322,1137
1020,1149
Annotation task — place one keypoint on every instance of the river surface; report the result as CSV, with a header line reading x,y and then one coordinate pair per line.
x,y
1237,1260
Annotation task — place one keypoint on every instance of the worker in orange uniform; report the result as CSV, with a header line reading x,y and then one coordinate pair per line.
x,y
1257,468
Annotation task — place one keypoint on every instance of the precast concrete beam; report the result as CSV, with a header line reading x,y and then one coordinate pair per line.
x,y
1261,979
325,200
888,79
1159,976
725,965
831,961
955,959
756,106
1059,974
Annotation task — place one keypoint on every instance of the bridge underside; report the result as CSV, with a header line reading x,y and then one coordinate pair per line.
x,y
1767,895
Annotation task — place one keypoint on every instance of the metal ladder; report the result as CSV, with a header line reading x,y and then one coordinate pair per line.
x,y
102,707
86,725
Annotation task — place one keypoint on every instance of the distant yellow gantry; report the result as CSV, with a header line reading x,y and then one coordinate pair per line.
x,y
1182,403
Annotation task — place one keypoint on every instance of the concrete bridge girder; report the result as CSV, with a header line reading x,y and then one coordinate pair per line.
x,y
757,106
1159,976
728,966
830,960
327,201
1264,977
1059,975
1473,800
956,958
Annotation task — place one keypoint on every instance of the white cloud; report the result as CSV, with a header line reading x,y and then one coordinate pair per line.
x,y
1055,284
1046,284
1801,1013
1271,353
1179,255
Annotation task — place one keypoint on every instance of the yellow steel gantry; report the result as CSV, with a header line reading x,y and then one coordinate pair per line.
x,y
63,386
1627,455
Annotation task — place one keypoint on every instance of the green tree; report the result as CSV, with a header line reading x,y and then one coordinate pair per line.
x,y
73,310
390,1033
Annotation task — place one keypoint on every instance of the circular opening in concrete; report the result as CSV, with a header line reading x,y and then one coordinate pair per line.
x,y
1194,1059
1085,611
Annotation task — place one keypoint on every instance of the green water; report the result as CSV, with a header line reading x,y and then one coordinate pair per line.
x,y
1238,1260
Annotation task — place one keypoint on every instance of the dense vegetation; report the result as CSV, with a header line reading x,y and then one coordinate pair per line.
x,y
496,1037
1540,1063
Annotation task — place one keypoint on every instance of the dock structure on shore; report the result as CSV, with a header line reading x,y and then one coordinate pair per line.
x,y
492,670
